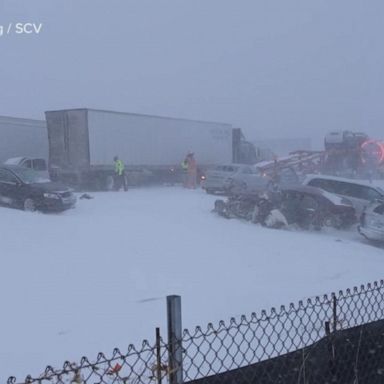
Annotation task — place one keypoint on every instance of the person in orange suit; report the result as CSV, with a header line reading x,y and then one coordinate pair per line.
x,y
191,171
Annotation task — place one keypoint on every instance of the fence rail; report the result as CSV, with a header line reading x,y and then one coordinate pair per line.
x,y
294,334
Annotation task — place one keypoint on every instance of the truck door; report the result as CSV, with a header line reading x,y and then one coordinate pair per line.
x,y
68,139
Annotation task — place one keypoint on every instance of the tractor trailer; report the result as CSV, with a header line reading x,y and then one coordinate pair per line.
x,y
83,143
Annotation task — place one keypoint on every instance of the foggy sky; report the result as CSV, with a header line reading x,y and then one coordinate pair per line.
x,y
275,68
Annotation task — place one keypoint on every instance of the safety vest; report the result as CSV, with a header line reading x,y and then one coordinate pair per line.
x,y
119,167
184,165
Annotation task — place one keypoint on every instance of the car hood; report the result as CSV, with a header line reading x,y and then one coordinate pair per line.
x,y
49,186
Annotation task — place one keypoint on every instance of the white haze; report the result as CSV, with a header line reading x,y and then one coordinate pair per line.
x,y
275,68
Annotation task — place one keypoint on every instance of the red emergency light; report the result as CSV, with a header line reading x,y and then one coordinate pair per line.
x,y
372,150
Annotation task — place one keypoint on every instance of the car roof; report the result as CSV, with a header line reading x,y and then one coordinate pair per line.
x,y
335,199
304,189
336,178
14,160
311,191
11,167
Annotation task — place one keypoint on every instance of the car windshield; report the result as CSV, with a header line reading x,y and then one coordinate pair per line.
x,y
29,176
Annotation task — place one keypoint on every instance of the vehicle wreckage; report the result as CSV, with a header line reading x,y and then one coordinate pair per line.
x,y
301,206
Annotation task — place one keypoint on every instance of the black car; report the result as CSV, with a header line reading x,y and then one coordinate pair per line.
x,y
314,207
26,189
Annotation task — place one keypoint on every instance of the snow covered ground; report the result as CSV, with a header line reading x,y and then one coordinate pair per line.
x,y
96,277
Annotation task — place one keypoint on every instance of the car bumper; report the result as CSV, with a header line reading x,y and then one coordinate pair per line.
x,y
59,204
213,186
371,233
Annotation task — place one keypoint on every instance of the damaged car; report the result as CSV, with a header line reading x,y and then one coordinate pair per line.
x,y
302,206
311,207
359,193
218,179
372,222
258,180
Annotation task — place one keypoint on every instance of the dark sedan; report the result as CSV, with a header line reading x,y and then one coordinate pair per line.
x,y
314,207
26,189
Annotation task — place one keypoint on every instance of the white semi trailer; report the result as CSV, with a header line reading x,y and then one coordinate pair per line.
x,y
83,143
22,137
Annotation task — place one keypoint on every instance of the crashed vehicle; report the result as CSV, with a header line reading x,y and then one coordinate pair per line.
x,y
240,206
217,179
359,193
259,180
372,222
306,207
311,207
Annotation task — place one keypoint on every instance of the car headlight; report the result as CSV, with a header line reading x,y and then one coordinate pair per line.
x,y
51,196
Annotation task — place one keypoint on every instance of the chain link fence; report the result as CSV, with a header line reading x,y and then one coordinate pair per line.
x,y
136,365
286,337
337,338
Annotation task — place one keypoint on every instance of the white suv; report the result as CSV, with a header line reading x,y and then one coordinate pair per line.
x,y
358,192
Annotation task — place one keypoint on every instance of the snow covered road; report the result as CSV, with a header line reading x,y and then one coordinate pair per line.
x,y
96,277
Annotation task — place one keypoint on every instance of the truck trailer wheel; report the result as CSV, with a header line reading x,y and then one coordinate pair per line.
x,y
109,183
103,183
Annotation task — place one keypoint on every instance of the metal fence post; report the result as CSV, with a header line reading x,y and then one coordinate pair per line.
x,y
334,312
158,357
175,351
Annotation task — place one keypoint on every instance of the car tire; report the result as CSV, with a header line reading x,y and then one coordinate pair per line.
x,y
29,205
221,208
334,221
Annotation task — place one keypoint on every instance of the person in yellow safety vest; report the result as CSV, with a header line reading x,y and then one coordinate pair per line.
x,y
120,179
184,167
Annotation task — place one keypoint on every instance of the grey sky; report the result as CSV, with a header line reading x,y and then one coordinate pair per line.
x,y
273,67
